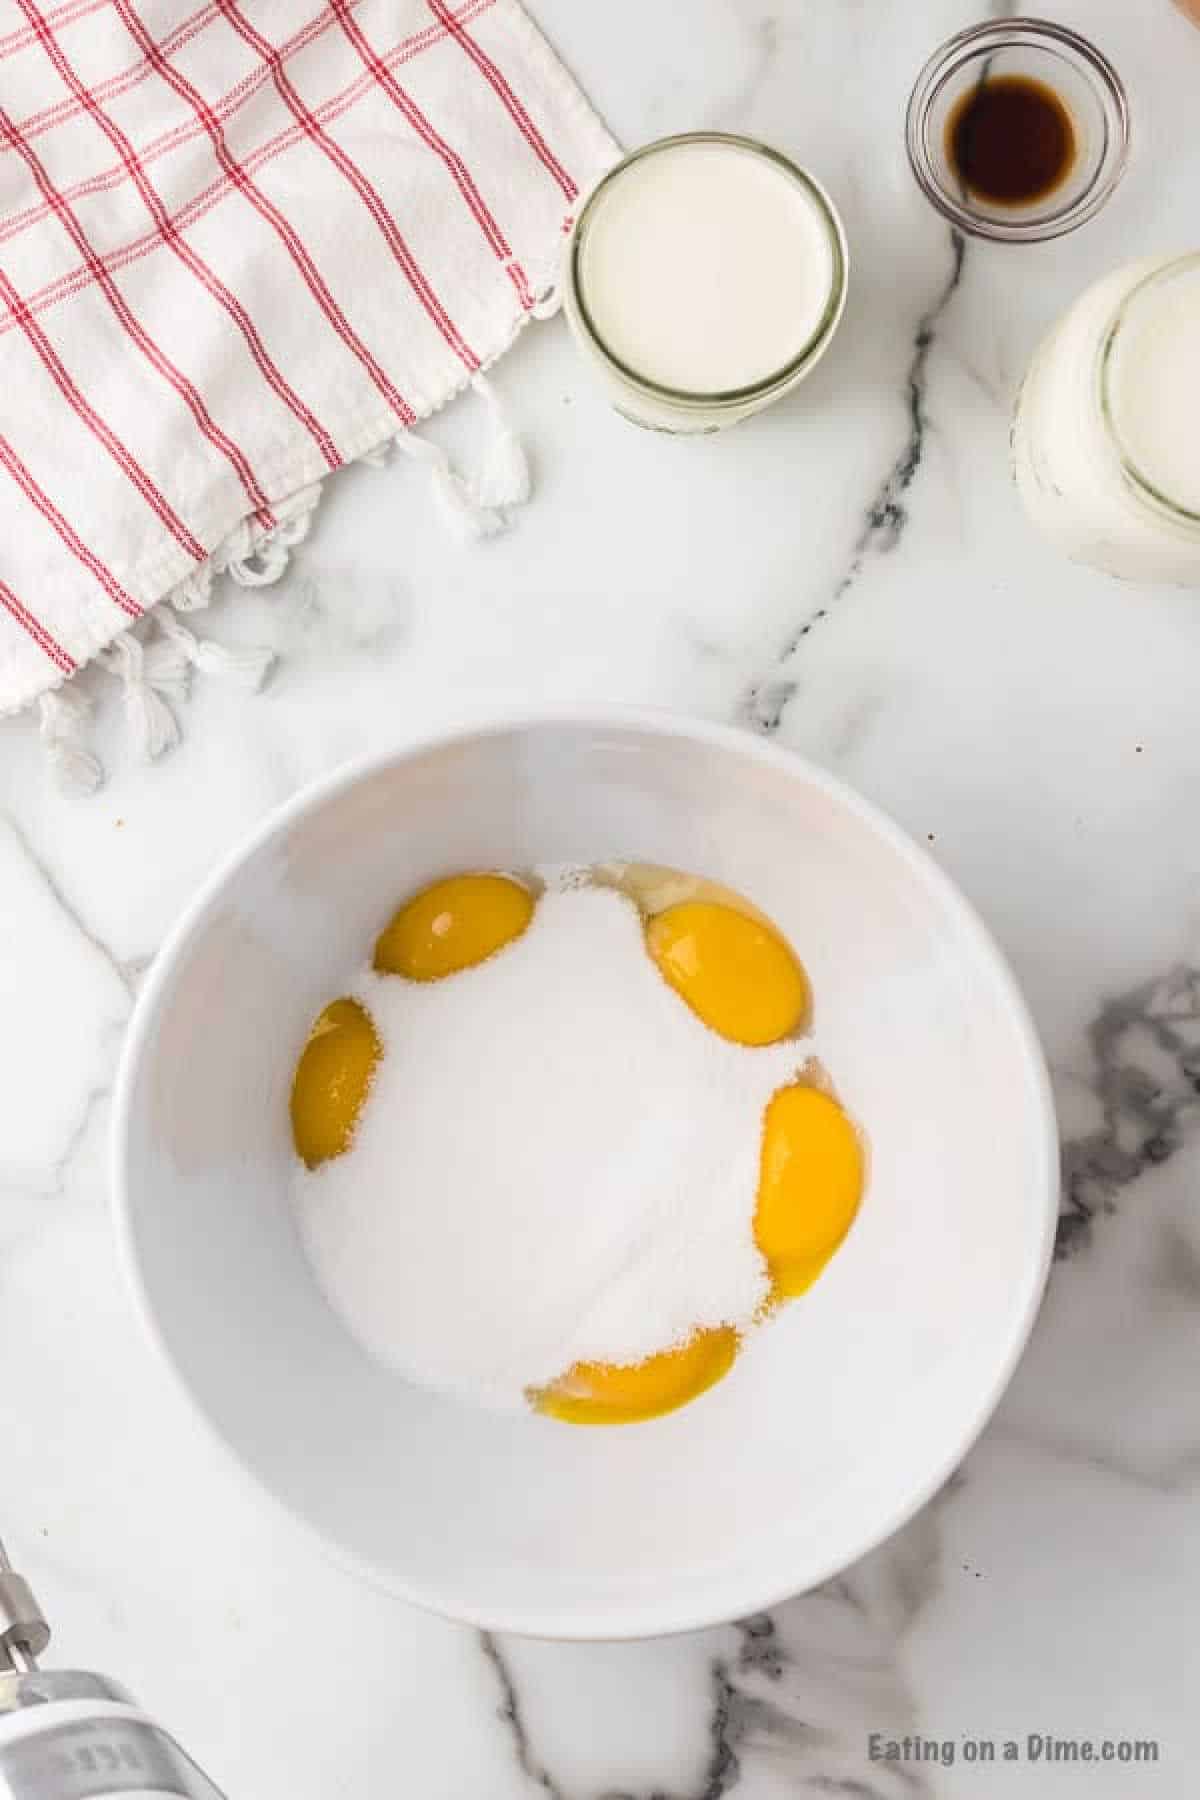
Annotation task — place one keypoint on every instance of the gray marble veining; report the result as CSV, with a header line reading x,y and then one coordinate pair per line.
x,y
794,1694
1146,1049
886,515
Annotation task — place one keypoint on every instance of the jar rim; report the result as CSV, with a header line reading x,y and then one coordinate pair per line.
x,y
777,378
1135,476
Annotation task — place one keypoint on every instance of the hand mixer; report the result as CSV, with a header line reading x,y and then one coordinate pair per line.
x,y
69,1734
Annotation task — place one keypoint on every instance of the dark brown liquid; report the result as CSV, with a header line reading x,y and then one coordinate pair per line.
x,y
1011,140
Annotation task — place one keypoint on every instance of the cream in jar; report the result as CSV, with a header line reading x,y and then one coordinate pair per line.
x,y
705,276
1104,438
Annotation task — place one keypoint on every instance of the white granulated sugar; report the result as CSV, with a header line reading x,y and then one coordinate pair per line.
x,y
556,1162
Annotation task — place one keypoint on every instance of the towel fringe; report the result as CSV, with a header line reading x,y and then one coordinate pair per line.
x,y
469,517
247,663
62,725
479,508
146,674
166,668
257,558
154,672
504,479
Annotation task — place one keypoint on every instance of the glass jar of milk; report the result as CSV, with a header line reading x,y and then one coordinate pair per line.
x,y
1104,440
704,277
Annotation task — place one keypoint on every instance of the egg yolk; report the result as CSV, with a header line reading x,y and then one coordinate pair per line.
x,y
736,973
623,1394
809,1186
331,1081
453,925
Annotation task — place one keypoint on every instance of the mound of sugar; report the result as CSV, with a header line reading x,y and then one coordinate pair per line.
x,y
557,1162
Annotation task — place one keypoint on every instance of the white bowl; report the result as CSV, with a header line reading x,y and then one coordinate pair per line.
x,y
841,1417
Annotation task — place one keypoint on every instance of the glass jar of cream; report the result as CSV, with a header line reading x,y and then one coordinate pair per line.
x,y
704,277
1104,435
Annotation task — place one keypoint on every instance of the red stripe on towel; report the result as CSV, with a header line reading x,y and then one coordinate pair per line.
x,y
36,630
267,210
141,337
495,79
120,453
195,265
366,192
462,176
41,500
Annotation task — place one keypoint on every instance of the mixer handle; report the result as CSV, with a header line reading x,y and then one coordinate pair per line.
x,y
24,1632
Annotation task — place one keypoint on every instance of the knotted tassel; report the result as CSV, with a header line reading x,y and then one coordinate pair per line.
x,y
145,676
504,479
62,725
244,663
468,516
261,562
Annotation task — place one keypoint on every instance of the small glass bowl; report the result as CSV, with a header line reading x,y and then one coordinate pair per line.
x,y
1086,83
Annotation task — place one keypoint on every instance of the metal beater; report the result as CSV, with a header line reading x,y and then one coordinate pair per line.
x,y
69,1734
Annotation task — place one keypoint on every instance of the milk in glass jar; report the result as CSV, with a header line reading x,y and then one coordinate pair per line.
x,y
704,278
1106,451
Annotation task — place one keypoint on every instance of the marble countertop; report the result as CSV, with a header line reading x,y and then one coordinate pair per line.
x,y
852,573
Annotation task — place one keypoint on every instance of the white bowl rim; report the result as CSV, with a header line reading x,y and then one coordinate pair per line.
x,y
656,1618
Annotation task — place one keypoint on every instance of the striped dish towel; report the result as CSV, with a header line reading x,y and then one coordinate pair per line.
x,y
241,245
